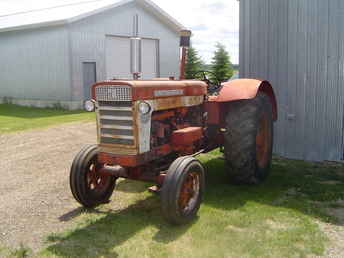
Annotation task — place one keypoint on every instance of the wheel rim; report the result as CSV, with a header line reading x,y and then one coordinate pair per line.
x,y
96,182
263,142
189,192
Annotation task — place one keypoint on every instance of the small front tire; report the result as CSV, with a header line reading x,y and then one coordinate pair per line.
x,y
88,186
182,190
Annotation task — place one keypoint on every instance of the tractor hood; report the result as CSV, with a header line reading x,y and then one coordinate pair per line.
x,y
154,89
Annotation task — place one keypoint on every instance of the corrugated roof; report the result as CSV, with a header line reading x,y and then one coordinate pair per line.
x,y
72,12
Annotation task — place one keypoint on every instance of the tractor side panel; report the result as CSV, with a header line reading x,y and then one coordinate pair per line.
x,y
245,89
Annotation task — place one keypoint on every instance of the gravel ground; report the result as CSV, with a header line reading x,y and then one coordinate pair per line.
x,y
35,198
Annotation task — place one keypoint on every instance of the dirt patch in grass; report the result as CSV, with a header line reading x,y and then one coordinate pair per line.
x,y
235,229
335,234
277,225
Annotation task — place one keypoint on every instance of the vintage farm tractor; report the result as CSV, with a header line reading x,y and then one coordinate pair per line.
x,y
151,130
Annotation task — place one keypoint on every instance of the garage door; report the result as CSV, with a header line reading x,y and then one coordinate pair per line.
x,y
118,58
149,58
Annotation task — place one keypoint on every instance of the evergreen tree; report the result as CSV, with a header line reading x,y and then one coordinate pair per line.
x,y
221,65
193,63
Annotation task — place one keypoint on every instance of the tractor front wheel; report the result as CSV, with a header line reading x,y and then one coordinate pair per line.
x,y
182,190
249,140
89,187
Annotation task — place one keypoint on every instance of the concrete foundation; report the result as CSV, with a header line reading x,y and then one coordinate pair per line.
x,y
70,105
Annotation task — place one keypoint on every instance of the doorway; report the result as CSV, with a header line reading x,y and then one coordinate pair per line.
x,y
89,77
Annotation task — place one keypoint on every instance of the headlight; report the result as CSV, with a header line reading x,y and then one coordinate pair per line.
x,y
89,105
144,108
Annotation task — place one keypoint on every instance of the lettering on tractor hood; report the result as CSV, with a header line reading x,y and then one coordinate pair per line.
x,y
165,93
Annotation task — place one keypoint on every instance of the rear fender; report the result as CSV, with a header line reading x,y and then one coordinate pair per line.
x,y
246,89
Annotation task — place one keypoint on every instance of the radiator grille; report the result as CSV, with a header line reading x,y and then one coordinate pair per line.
x,y
113,93
116,122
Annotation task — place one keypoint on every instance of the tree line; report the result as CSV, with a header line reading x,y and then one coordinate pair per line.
x,y
221,66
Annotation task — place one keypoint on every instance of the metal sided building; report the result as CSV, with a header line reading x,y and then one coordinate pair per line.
x,y
52,55
298,45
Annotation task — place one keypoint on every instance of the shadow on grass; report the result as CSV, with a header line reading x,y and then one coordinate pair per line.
x,y
302,186
11,110
100,236
76,212
293,184
128,187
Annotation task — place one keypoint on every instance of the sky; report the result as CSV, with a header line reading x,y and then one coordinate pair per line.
x,y
211,21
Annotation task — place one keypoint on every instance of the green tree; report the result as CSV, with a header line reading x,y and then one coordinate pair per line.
x,y
221,65
193,63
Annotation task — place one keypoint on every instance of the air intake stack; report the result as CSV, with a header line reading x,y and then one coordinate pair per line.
x,y
184,45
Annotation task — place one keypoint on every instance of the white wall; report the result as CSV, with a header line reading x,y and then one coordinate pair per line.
x,y
34,64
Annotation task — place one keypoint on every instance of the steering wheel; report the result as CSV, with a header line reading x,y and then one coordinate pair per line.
x,y
213,83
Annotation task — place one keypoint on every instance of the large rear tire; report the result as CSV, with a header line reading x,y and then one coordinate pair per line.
x,y
88,186
249,140
182,190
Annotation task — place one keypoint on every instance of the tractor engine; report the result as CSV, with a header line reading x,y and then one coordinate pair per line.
x,y
167,123
143,121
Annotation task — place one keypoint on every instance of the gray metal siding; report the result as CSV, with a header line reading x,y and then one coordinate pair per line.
x,y
87,38
34,64
298,45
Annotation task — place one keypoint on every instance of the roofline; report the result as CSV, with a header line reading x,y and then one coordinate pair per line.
x,y
146,4
34,26
160,13
94,12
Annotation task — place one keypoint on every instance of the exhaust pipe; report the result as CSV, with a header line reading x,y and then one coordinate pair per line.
x,y
184,45
135,50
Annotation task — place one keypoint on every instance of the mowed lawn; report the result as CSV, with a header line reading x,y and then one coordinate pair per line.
x,y
280,218
16,118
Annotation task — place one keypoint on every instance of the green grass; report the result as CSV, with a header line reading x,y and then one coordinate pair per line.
x,y
20,252
16,118
275,219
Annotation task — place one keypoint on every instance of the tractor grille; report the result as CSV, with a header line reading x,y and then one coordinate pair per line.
x,y
115,115
116,122
113,93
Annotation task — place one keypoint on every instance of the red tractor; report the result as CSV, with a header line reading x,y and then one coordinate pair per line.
x,y
151,130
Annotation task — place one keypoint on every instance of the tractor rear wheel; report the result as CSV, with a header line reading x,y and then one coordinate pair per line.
x,y
249,140
182,190
89,187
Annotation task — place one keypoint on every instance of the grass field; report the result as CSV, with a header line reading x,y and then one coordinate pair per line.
x,y
276,219
16,118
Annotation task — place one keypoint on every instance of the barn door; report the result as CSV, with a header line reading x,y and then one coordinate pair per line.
x,y
118,58
89,77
